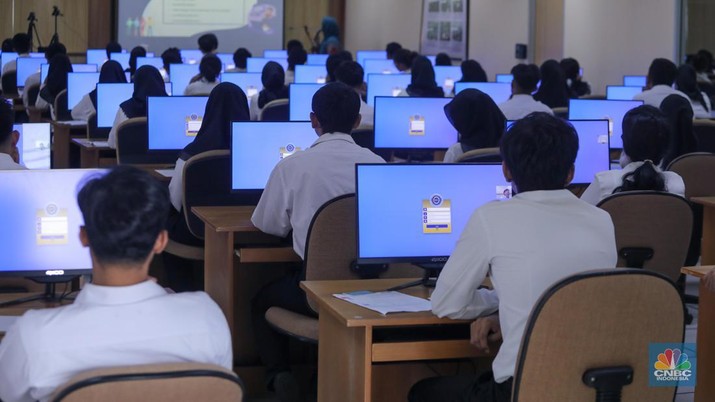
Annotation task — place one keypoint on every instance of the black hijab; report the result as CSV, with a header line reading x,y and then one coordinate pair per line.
x,y
111,73
553,91
147,82
227,104
687,83
56,81
273,78
135,53
423,84
477,118
472,71
679,113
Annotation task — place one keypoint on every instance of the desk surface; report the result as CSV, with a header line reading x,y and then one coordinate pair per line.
x,y
98,144
697,272
227,219
706,201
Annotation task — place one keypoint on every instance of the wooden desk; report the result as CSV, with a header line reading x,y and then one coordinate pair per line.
x,y
61,141
90,152
347,351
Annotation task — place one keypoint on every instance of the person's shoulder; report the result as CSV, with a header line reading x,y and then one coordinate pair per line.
x,y
643,95
200,301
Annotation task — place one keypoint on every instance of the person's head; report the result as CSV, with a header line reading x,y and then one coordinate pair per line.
x,y
539,152
423,75
476,118
112,73
571,68
351,74
334,61
443,59
552,74
57,71
293,44
662,72
147,82
171,56
240,57
403,59
687,81
336,109
472,71
210,67
21,43
391,49
7,45
707,55
526,77
54,49
330,27
273,76
113,47
208,43
297,56
133,56
8,136
125,213
701,64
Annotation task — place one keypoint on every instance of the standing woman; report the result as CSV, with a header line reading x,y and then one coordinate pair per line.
x,y
273,79
111,73
55,83
331,34
553,91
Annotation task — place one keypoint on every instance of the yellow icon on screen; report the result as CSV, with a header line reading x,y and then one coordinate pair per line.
x,y
52,226
193,125
417,125
288,150
436,215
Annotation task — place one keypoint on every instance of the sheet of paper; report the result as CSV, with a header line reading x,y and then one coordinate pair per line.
x,y
6,322
386,302
166,172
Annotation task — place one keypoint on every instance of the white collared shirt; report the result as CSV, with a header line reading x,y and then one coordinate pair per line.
x,y
109,327
654,96
119,118
605,182
526,245
6,163
84,109
367,114
304,181
520,106
200,88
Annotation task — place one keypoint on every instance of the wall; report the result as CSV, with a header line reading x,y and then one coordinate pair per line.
x,y
701,30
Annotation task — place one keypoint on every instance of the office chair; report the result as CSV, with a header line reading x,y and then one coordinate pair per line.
x,y
704,131
33,91
486,156
133,145
366,139
679,114
277,110
60,107
94,132
561,112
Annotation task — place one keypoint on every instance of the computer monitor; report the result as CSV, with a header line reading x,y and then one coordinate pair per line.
x,y
257,147
275,54
500,92
386,85
363,55
255,64
226,60
174,121
181,75
250,83
191,56
412,123
379,66
96,56
34,145
310,74
622,92
123,58
417,212
77,68
634,80
433,60
27,66
594,154
110,96
7,57
317,59
446,76
79,85
157,62
301,100
44,70
506,78
611,110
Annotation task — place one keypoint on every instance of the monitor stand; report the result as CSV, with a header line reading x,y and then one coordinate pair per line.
x,y
49,295
429,279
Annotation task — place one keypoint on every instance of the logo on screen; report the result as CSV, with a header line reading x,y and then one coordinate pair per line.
x,y
51,226
417,125
193,124
503,193
436,215
288,150
320,80
672,367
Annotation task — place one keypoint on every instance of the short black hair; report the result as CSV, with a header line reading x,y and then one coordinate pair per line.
x,y
294,44
337,107
443,59
571,68
7,45
113,47
334,61
240,56
7,119
210,67
351,74
646,134
526,76
208,43
137,52
124,212
171,56
392,48
662,72
404,56
55,49
296,56
540,151
21,43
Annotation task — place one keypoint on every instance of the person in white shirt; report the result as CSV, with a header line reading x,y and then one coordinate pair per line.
x,y
659,83
687,83
208,43
239,60
478,121
298,186
123,317
21,43
522,103
296,57
111,73
207,79
351,74
526,244
274,88
645,140
9,153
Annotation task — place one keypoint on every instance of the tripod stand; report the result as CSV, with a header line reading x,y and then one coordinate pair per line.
x,y
56,13
32,28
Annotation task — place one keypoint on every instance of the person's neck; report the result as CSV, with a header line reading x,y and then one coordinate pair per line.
x,y
6,149
522,93
119,274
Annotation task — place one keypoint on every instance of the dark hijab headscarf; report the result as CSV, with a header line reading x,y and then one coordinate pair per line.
x,y
273,79
477,118
553,91
687,83
147,82
135,53
227,103
423,84
56,81
331,33
111,73
679,113
472,71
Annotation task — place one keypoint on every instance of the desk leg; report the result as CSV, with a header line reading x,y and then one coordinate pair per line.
x,y
218,272
705,388
344,361
707,253
61,147
89,158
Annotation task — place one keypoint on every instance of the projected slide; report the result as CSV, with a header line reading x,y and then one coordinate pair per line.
x,y
159,24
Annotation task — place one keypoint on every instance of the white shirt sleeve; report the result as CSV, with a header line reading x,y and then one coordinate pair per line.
x,y
452,153
273,212
118,119
84,109
254,109
14,367
176,186
592,195
41,103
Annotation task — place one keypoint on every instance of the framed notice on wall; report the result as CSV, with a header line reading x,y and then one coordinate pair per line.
x,y
445,28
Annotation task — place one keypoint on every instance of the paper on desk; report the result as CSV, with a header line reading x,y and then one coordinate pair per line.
x,y
386,302
6,322
100,144
166,172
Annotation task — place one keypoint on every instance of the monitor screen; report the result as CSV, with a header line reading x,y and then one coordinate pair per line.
x,y
611,110
250,83
34,145
310,74
594,154
317,59
275,54
363,55
446,76
386,85
79,85
301,100
27,66
634,80
433,60
77,68
417,212
44,70
191,56
614,92
506,78
500,92
7,57
157,62
377,66
96,56
110,96
256,64
226,60
256,148
412,123
41,235
123,58
181,75
174,121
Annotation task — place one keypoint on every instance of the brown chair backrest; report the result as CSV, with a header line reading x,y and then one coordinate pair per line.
x,y
277,110
62,113
704,131
594,320
659,221
181,382
133,145
490,156
697,170
562,112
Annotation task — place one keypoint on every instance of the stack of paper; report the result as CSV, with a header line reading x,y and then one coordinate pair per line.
x,y
386,302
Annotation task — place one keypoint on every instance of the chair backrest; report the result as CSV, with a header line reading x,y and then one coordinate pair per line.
x,y
679,114
207,182
9,84
94,132
33,91
597,320
60,106
489,156
365,138
697,170
653,230
277,110
593,96
562,112
704,131
133,145
181,382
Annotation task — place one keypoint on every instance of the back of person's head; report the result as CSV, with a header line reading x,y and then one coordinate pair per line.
x,y
706,54
293,44
571,68
334,61
113,47
472,71
208,43
526,77
7,45
443,59
687,82
135,53
701,63
403,59
21,43
539,151
351,74
391,49
210,67
336,107
171,56
662,72
124,212
297,56
55,49
553,91
240,57
7,119
478,120
273,76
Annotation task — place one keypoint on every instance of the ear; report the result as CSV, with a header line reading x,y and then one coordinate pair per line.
x,y
15,138
357,121
507,173
161,242
569,178
83,236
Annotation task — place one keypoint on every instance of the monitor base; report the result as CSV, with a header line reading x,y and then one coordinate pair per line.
x,y
429,279
49,296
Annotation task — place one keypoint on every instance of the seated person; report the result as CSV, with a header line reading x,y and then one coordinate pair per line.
x,y
112,47
297,187
111,73
577,86
478,121
56,82
334,61
391,49
34,79
293,44
123,317
297,56
472,71
170,56
21,44
9,154
443,59
687,83
553,91
423,83
207,79
274,88
351,74
208,43
659,83
521,104
403,59
136,53
645,139
240,57
558,235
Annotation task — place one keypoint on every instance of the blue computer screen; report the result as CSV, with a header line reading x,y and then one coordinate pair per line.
x,y
412,123
181,75
301,100
379,66
386,85
593,149
157,62
317,59
506,78
26,66
79,85
363,55
275,54
191,56
310,74
110,96
250,83
500,92
614,92
446,76
256,64
634,80
77,68
226,60
34,145
123,58
611,110
96,56
174,121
